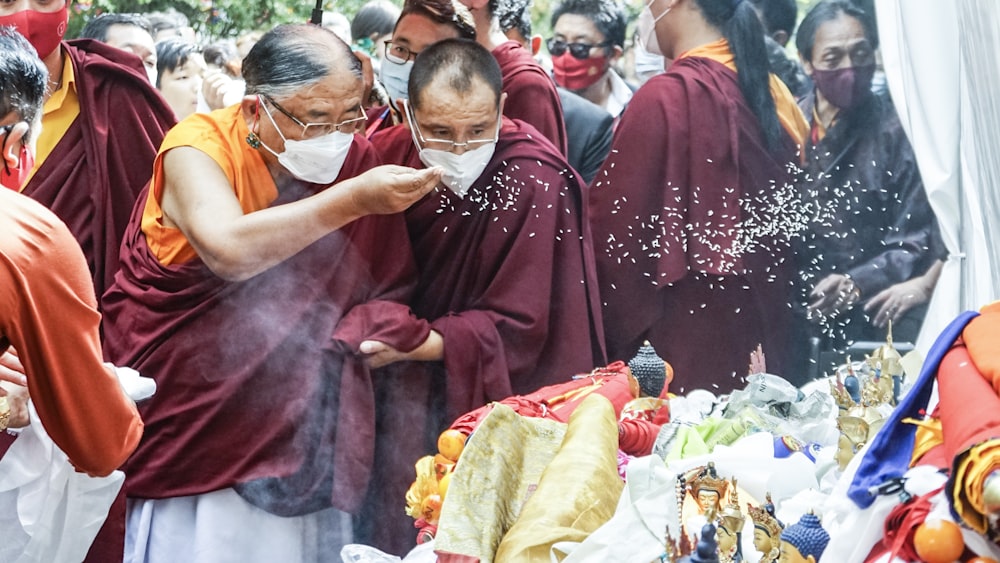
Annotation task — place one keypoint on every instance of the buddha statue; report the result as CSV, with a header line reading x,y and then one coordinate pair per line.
x,y
730,528
766,530
650,370
804,541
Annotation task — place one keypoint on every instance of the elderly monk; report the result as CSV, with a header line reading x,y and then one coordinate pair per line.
x,y
247,284
531,92
504,253
686,218
103,122
48,311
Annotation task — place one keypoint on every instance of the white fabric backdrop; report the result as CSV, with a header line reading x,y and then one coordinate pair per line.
x,y
943,69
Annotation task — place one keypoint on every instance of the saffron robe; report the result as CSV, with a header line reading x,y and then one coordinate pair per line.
x,y
258,388
681,211
531,93
105,158
507,277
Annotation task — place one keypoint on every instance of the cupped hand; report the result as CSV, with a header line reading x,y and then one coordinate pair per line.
x,y
391,189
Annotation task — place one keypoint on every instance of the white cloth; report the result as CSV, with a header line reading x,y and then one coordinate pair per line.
x,y
221,527
50,512
620,94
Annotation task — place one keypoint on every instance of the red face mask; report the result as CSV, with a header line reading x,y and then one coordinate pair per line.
x,y
44,30
574,74
14,178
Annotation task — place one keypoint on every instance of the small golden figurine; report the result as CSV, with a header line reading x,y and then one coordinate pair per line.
x,y
766,530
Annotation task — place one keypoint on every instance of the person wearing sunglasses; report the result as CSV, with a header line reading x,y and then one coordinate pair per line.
x,y
268,246
588,39
503,250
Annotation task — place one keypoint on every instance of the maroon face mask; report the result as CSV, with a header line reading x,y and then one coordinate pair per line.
x,y
44,30
845,87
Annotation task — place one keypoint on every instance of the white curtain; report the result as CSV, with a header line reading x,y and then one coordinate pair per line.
x,y
942,62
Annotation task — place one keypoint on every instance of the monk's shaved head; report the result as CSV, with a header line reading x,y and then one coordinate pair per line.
x,y
292,57
456,64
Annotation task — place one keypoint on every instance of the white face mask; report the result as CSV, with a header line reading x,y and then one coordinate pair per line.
x,y
317,160
460,170
395,78
645,30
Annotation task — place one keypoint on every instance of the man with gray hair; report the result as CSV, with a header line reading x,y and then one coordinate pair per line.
x,y
268,247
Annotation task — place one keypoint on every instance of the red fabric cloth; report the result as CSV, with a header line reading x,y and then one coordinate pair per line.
x,y
257,388
104,160
531,93
666,211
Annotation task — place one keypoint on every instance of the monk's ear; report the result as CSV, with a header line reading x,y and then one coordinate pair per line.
x,y
616,53
503,99
249,105
806,66
12,142
780,37
403,114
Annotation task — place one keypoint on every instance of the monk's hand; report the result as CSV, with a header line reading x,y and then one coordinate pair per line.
x,y
391,189
378,354
11,369
17,400
893,302
833,294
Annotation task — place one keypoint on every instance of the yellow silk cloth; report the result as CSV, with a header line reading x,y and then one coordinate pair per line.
x,y
500,466
578,491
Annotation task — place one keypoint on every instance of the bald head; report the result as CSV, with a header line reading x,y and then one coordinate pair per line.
x,y
292,57
456,64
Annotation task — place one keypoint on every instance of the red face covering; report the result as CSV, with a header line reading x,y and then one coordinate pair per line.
x,y
44,30
574,74
14,178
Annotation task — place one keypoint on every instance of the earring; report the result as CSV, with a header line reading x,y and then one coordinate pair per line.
x,y
253,140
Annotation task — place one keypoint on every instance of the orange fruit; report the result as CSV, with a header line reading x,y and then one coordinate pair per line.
x,y
445,480
442,465
430,508
982,559
938,541
451,442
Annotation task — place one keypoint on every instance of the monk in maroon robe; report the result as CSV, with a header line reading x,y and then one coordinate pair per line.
x,y
103,160
683,213
245,290
531,92
506,272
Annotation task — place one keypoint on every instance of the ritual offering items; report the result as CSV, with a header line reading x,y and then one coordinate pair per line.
x,y
730,528
652,373
804,541
766,530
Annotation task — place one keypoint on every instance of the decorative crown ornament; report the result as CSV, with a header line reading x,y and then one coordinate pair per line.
x,y
649,370
707,479
763,518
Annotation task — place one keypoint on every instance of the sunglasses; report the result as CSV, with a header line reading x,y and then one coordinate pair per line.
x,y
579,50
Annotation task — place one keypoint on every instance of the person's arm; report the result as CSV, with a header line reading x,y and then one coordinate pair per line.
x,y
48,313
199,200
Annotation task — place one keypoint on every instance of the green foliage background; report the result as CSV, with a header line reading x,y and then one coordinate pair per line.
x,y
228,18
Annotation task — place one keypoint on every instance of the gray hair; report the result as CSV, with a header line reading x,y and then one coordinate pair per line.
x,y
23,78
292,57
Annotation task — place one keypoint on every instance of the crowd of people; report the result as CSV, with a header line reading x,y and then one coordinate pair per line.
x,y
326,242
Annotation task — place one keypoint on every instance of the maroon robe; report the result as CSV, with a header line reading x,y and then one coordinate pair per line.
x,y
531,93
507,277
105,158
666,213
257,388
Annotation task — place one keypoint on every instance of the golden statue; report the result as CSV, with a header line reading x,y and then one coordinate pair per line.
x,y
766,530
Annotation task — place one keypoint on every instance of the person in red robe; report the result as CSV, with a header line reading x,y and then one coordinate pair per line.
x,y
102,125
245,290
531,92
506,266
686,209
